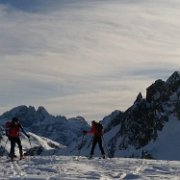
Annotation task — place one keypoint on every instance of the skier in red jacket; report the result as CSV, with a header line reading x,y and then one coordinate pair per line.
x,y
13,131
97,131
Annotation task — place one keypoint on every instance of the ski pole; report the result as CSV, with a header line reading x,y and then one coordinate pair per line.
x,y
80,147
30,142
109,154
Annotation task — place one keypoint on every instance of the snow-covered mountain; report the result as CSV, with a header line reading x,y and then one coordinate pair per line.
x,y
41,123
150,128
151,124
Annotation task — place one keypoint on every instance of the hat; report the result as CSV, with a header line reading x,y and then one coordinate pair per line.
x,y
15,119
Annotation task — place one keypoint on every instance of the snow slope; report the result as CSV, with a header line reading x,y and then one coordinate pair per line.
x,y
36,144
60,167
64,167
167,146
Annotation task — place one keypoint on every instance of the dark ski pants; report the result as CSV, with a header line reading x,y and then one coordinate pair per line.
x,y
13,142
97,139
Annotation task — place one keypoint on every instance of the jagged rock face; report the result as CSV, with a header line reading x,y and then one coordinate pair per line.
x,y
162,91
42,123
112,120
140,124
153,92
139,98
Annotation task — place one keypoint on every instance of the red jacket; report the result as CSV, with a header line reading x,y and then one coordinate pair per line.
x,y
94,130
13,130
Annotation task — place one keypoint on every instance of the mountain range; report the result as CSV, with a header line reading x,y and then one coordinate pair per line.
x,y
40,122
150,128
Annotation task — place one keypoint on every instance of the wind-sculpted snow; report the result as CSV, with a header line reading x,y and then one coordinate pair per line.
x,y
66,168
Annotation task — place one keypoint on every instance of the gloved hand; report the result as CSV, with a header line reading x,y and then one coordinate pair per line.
x,y
84,132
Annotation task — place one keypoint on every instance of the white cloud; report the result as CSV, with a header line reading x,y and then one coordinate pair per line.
x,y
85,57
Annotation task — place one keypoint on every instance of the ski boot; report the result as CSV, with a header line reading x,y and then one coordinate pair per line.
x,y
90,156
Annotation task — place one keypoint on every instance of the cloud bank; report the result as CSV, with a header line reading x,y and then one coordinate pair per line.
x,y
85,58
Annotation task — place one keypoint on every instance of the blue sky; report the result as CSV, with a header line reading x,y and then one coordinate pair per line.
x,y
85,58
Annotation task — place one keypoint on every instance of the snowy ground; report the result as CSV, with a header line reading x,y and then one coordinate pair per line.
x,y
64,167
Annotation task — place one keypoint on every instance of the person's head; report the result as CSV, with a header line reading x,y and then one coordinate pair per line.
x,y
93,122
15,120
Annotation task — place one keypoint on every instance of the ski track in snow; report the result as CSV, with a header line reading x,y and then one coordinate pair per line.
x,y
66,168
17,168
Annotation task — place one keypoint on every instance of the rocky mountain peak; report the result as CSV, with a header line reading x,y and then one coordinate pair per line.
x,y
42,110
141,123
139,98
174,78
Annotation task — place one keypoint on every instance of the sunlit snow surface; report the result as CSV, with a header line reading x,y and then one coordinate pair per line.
x,y
64,167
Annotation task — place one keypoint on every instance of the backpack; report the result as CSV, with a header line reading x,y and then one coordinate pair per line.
x,y
12,130
99,129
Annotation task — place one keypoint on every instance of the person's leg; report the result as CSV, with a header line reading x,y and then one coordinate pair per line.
x,y
19,146
12,149
100,146
93,146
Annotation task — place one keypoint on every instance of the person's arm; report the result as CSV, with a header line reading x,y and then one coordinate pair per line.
x,y
0,132
24,132
92,130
